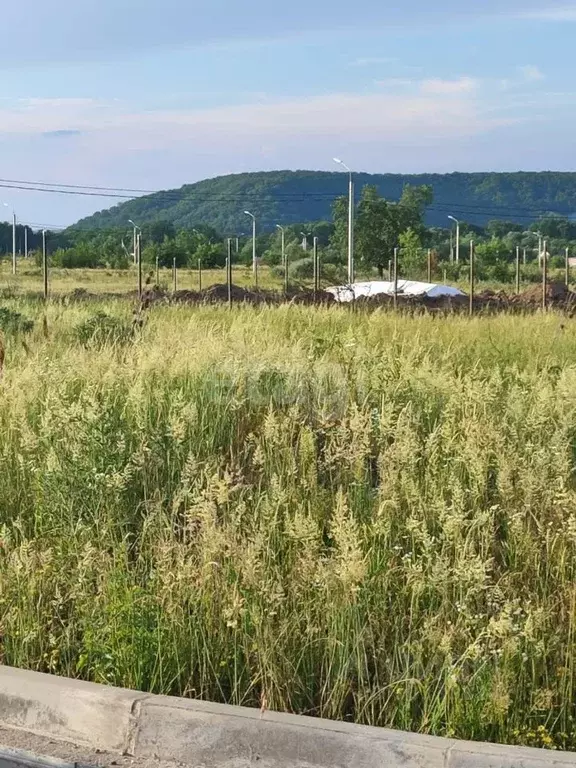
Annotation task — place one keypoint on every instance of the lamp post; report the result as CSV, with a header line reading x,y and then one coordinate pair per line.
x,y
457,238
254,259
350,221
540,241
305,236
136,230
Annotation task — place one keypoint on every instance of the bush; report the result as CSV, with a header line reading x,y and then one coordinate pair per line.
x,y
76,258
302,269
14,322
101,328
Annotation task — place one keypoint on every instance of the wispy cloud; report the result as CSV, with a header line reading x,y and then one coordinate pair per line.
x,y
531,74
371,61
395,82
35,103
63,133
441,107
557,13
432,86
447,87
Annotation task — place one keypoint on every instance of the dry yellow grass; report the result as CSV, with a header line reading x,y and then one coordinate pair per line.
x,y
362,517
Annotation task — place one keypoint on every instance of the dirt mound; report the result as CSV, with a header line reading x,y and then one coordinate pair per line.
x,y
219,293
555,291
413,303
184,297
309,297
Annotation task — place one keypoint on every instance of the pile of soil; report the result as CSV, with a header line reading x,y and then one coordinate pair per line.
x,y
183,297
556,291
488,302
219,293
309,297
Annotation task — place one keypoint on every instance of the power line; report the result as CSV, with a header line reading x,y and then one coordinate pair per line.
x,y
471,209
188,195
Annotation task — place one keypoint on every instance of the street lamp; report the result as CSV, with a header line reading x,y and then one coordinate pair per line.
x,y
305,236
540,241
13,238
254,261
350,221
136,230
284,259
457,238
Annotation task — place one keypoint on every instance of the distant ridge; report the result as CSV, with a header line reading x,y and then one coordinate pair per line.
x,y
288,197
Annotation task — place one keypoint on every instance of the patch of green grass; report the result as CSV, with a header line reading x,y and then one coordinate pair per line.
x,y
14,322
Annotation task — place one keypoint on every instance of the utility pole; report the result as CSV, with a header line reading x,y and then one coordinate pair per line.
x,y
457,238
45,264
316,269
284,259
25,242
139,264
229,272
539,248
136,230
254,258
472,277
429,270
350,221
545,276
395,278
567,267
517,269
13,242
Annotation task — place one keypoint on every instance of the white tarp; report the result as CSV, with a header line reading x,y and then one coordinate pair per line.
x,y
347,293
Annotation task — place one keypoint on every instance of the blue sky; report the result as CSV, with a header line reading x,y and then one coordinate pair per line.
x,y
155,94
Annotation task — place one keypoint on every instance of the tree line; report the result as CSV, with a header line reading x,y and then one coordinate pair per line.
x,y
381,226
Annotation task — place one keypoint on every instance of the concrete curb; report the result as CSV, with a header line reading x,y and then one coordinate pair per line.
x,y
207,735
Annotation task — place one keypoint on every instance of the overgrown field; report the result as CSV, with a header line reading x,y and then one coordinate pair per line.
x,y
355,516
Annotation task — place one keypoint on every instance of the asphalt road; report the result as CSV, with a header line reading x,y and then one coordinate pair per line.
x,y
19,749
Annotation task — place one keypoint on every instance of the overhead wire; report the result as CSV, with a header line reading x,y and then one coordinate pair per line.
x,y
188,194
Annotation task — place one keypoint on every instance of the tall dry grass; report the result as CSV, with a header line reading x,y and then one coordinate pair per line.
x,y
360,517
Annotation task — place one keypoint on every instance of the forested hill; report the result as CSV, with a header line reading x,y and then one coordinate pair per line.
x,y
287,197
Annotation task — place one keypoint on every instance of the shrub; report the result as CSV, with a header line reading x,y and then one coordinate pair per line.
x,y
14,322
102,328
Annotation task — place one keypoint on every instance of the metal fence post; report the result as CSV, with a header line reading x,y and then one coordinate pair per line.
x,y
472,277
545,277
45,264
395,278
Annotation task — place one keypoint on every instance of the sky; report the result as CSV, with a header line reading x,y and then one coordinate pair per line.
x,y
143,94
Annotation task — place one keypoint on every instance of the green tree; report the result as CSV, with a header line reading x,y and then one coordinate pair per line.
x,y
378,226
339,237
412,205
492,252
499,228
411,254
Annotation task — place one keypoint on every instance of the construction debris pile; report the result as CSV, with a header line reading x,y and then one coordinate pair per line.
x,y
373,288
411,296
